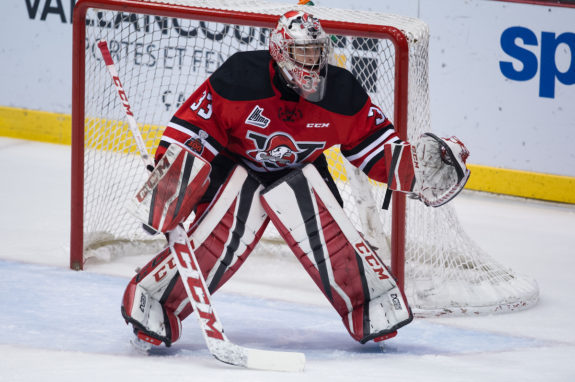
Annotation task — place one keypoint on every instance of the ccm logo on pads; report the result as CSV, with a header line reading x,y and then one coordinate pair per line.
x,y
372,260
317,125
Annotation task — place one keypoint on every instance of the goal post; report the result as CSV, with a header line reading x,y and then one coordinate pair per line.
x,y
228,16
164,49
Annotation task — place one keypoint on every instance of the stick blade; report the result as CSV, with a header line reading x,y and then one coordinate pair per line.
x,y
270,360
275,360
212,329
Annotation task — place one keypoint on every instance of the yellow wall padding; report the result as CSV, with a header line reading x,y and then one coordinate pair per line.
x,y
56,128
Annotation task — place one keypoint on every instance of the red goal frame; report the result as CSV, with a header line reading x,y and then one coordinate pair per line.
x,y
393,34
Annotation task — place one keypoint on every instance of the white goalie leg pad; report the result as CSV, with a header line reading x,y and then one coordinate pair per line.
x,y
230,228
339,260
149,313
143,301
224,236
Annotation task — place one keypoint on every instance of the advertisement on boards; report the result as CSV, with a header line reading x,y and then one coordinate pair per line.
x,y
503,77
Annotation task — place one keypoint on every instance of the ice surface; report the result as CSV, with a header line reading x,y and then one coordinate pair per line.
x,y
61,325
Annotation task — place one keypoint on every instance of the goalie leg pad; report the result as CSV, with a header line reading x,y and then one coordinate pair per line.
x,y
155,301
342,264
224,236
172,190
143,301
230,228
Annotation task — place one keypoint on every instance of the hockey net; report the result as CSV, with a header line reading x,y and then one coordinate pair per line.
x,y
165,48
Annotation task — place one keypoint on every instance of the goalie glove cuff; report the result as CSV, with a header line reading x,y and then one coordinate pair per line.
x,y
401,160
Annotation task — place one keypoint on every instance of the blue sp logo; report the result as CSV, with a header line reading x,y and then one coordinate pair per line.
x,y
546,63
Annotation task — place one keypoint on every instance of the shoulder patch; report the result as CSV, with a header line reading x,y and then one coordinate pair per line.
x,y
256,118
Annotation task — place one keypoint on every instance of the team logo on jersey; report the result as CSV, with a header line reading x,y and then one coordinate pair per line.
x,y
280,150
289,115
256,118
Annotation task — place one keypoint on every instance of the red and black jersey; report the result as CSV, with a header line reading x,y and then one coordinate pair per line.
x,y
243,110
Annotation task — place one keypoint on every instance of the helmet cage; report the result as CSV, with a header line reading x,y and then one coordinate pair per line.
x,y
301,49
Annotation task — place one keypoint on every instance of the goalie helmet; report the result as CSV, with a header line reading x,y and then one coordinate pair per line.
x,y
301,49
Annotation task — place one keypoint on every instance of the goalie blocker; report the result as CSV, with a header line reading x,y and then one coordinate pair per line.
x,y
172,190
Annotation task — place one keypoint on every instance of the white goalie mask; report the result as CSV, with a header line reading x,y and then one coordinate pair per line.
x,y
301,49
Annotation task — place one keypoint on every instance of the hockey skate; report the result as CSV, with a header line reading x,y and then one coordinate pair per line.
x,y
385,337
140,345
153,323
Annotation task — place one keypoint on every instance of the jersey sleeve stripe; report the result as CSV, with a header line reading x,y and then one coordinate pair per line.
x,y
371,160
370,143
187,127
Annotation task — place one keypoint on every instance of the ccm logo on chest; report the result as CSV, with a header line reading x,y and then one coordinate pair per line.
x,y
314,125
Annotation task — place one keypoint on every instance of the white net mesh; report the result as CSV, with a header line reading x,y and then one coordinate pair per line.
x,y
161,60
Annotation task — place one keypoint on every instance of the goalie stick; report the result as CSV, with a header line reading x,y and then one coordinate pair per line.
x,y
195,285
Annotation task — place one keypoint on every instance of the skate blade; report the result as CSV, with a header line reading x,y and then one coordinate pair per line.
x,y
141,346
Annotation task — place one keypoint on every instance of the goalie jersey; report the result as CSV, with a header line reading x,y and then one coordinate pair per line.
x,y
245,111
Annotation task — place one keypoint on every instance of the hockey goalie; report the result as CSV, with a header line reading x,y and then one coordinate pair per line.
x,y
246,150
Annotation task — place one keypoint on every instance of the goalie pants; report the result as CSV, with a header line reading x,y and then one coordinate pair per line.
x,y
231,222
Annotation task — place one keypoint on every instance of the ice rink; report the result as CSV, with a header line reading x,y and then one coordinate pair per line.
x,y
61,325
